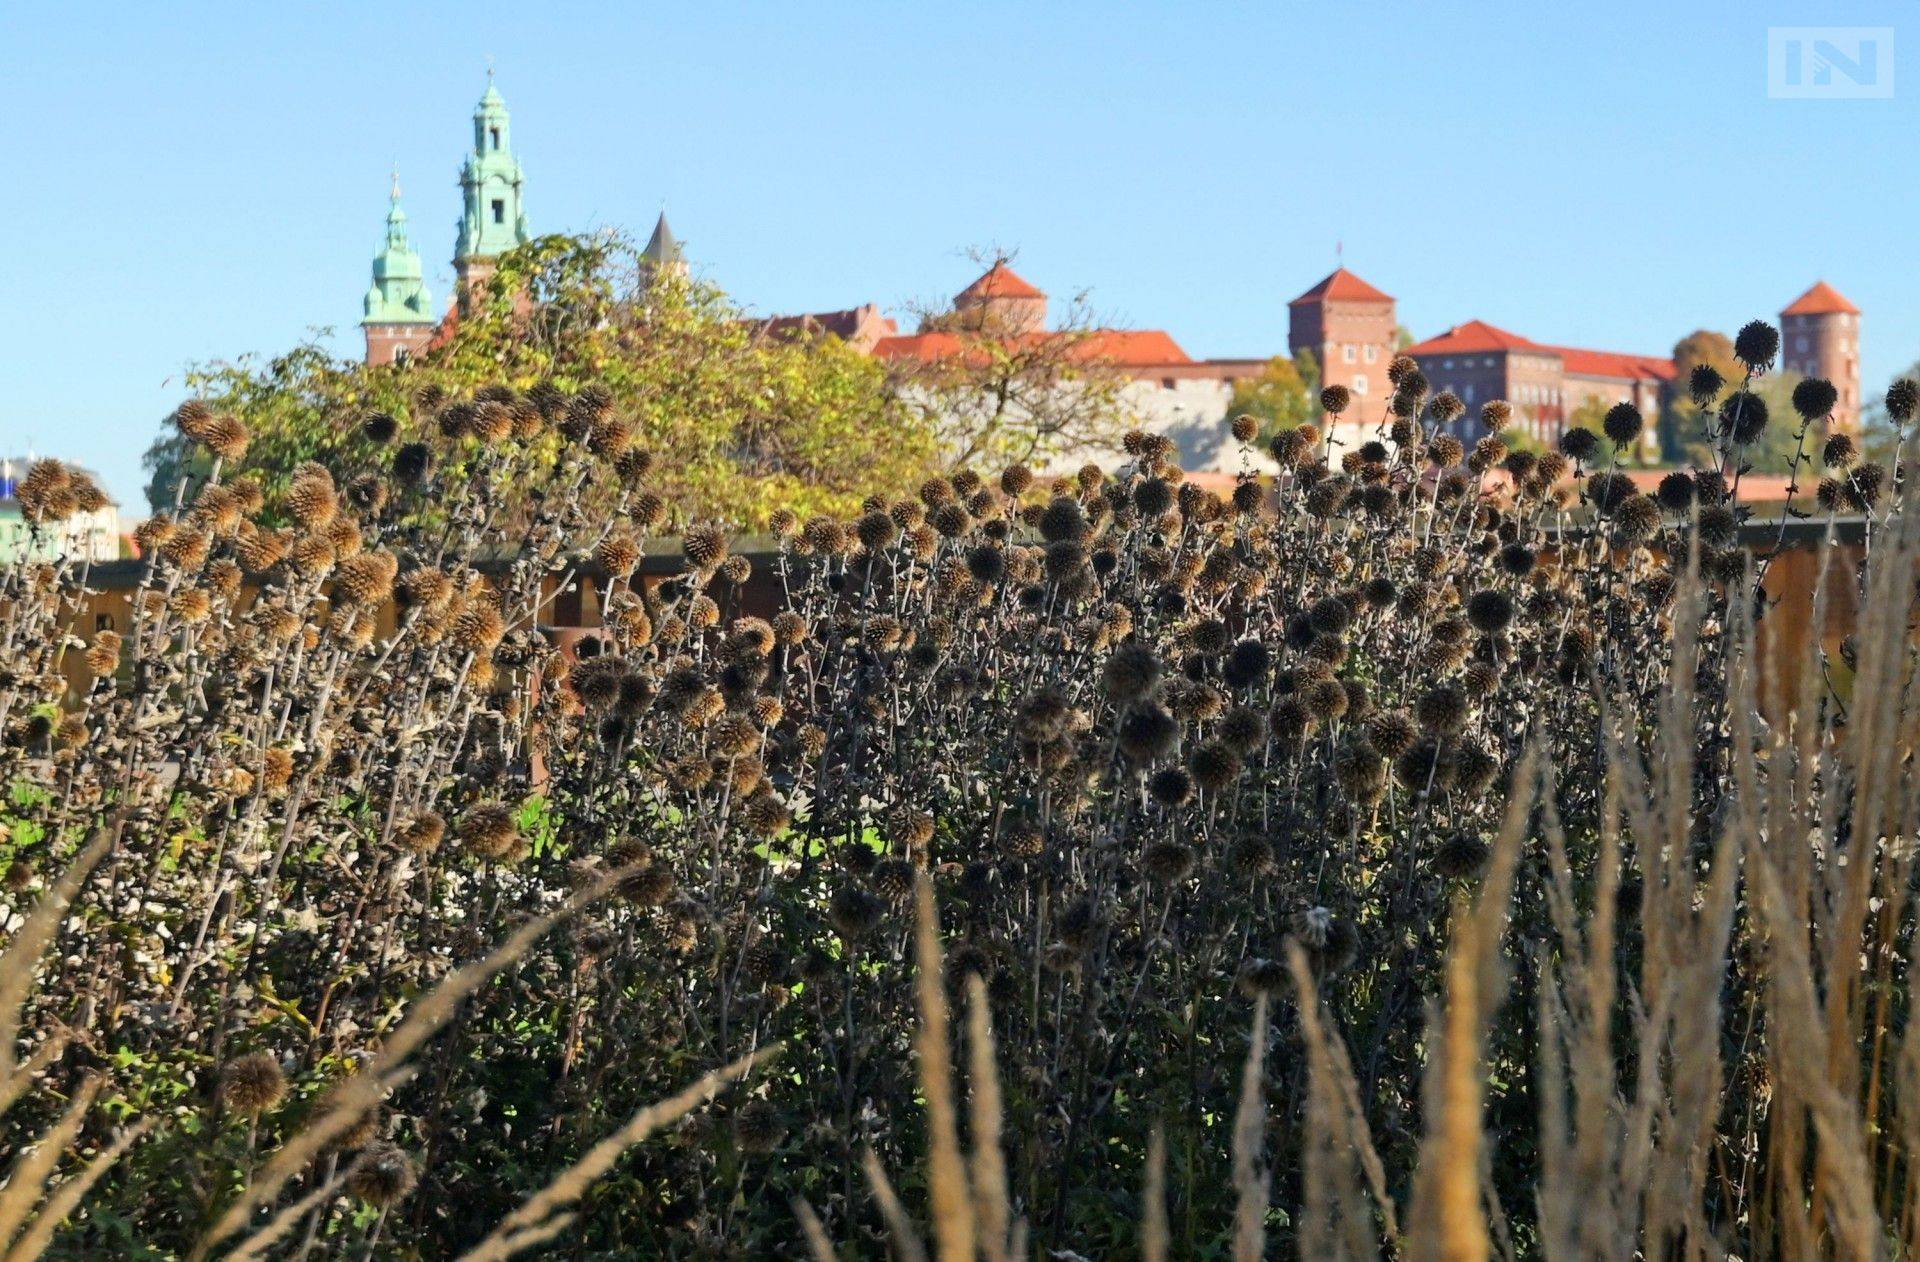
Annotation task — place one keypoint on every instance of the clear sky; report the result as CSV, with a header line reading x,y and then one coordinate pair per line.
x,y
192,180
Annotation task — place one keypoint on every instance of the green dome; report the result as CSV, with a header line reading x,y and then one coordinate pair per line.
x,y
399,292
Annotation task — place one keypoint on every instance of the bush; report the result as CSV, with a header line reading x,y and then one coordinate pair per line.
x,y
1367,748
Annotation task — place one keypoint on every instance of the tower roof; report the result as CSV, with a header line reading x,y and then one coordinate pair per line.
x,y
998,281
493,217
1822,299
1342,286
663,248
399,291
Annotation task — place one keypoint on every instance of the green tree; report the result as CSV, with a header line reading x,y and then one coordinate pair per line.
x,y
739,423
1285,394
1680,424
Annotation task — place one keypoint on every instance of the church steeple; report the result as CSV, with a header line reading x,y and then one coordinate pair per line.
x,y
492,219
397,315
663,254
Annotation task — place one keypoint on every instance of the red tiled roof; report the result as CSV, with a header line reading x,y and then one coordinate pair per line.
x,y
1342,286
1472,337
1588,363
1118,347
841,324
1822,299
999,281
1477,336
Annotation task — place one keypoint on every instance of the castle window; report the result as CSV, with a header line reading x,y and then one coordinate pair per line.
x,y
1371,353
493,135
1346,352
401,355
1360,383
499,211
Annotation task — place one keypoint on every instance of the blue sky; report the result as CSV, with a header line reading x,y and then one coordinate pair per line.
x,y
191,181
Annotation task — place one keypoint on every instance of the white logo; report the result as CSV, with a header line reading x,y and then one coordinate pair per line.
x,y
1837,63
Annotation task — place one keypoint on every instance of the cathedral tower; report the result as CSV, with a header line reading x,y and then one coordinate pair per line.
x,y
492,219
397,315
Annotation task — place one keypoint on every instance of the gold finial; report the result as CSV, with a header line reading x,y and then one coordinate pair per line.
x,y
396,182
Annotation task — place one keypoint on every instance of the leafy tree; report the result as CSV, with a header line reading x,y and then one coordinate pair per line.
x,y
999,395
1685,429
1680,422
1520,438
738,422
1285,394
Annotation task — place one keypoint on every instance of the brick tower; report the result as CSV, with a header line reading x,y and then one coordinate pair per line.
x,y
492,218
1820,337
397,315
1349,327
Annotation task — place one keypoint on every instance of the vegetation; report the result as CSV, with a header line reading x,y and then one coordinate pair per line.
x,y
1004,394
1285,395
739,423
1389,857
1686,425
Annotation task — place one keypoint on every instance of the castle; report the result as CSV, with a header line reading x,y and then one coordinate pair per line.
x,y
1348,325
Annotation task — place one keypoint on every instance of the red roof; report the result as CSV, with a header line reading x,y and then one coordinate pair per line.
x,y
841,324
1342,286
1614,364
1477,336
1120,348
999,281
1822,299
1473,337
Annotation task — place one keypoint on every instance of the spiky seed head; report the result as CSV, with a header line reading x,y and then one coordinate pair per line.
x,y
1580,444
1839,451
1704,384
1814,397
1490,610
423,832
381,1175
1636,519
1167,862
252,1084
1623,424
1903,398
1743,416
1756,344
1460,855
1336,399
1392,732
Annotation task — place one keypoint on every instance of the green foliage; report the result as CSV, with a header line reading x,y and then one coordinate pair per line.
x,y
739,422
1686,431
1285,394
